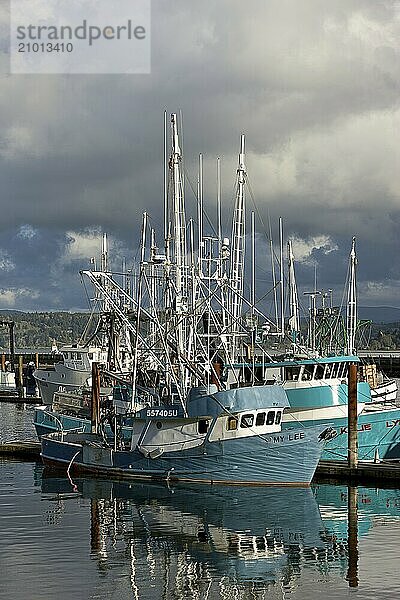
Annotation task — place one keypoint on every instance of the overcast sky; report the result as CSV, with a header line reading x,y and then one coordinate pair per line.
x,y
313,84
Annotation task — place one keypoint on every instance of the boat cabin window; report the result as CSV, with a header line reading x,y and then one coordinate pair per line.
x,y
308,372
231,423
292,373
278,417
260,418
203,426
334,370
247,420
270,417
319,372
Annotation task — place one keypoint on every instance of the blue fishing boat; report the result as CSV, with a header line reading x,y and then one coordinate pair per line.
x,y
194,328
317,391
71,410
230,437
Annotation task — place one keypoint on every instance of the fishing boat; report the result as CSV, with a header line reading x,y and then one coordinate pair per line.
x,y
383,389
231,437
195,325
378,421
204,424
70,373
108,343
386,391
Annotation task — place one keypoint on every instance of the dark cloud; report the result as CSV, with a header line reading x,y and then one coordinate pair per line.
x,y
315,87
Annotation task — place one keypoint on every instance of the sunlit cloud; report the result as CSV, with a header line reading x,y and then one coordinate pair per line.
x,y
303,249
6,262
10,297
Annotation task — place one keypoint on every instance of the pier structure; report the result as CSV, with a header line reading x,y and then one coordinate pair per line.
x,y
387,361
16,374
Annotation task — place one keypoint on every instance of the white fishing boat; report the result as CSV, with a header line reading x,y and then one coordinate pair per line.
x,y
109,343
71,372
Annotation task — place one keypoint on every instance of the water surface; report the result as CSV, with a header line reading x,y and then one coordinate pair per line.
x,y
92,539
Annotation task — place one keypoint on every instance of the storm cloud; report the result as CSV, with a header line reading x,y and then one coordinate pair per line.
x,y
315,87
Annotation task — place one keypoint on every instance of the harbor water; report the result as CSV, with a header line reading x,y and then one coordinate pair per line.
x,y
92,539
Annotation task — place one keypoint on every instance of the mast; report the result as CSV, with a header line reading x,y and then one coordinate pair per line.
x,y
281,286
138,309
200,213
238,247
294,324
179,230
165,148
352,301
104,269
271,247
219,216
179,221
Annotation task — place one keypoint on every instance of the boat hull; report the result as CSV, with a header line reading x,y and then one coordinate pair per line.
x,y
322,394
282,458
384,392
62,378
378,434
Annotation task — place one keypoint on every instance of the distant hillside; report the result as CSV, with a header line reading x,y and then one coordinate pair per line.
x,y
379,314
41,329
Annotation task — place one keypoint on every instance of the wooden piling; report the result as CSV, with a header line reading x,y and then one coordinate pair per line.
x,y
352,536
95,404
95,534
20,379
352,454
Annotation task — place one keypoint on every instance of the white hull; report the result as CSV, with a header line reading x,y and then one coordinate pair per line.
x,y
385,391
62,379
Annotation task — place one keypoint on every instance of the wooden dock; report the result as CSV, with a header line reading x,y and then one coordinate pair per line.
x,y
29,450
21,399
381,471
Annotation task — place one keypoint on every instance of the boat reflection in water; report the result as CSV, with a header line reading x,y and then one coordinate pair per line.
x,y
187,539
190,541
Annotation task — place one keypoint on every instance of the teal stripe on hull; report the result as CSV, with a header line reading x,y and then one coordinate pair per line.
x,y
325,395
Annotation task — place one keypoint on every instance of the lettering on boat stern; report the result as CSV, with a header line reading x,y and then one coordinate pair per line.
x,y
368,426
360,429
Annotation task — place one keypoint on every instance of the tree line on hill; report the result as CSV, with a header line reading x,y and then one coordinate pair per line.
x,y
44,329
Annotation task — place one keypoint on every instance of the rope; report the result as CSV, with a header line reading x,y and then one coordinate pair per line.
x,y
74,486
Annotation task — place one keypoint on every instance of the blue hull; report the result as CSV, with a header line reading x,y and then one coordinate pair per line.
x,y
377,431
284,458
45,422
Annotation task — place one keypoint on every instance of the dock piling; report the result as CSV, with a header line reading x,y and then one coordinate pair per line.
x,y
352,454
